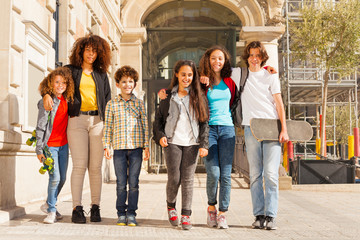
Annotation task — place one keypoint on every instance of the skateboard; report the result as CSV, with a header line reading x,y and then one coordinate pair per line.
x,y
48,162
32,140
269,129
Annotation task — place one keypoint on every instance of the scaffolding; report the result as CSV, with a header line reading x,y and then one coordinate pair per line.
x,y
303,88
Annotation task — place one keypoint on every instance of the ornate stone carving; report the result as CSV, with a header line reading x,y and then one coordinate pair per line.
x,y
273,11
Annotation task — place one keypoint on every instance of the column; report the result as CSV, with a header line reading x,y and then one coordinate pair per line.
x,y
131,52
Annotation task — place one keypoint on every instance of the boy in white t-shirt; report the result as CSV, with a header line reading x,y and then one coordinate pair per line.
x,y
261,98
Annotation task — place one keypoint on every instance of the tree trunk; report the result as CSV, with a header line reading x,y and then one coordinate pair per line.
x,y
323,118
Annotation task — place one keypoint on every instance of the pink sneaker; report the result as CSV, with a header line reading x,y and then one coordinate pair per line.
x,y
173,217
211,218
185,222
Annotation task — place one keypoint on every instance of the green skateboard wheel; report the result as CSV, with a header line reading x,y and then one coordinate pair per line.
x,y
42,170
48,161
29,142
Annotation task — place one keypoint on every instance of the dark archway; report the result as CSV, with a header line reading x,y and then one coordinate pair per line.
x,y
182,30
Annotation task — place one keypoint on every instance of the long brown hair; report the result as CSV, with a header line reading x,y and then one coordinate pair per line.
x,y
100,45
263,54
47,84
197,99
205,67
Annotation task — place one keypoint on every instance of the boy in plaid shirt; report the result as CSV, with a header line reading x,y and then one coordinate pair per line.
x,y
126,131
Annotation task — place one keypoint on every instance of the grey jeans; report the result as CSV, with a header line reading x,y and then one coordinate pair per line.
x,y
181,165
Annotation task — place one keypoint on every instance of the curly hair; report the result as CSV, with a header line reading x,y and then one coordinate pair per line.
x,y
197,99
101,47
47,85
205,67
126,71
263,54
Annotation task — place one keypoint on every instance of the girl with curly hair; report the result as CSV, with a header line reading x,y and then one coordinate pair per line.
x,y
215,64
51,133
89,61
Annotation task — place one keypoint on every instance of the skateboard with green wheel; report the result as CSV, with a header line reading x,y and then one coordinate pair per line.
x,y
32,140
48,162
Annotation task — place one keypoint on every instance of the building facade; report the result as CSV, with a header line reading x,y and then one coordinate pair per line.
x,y
150,35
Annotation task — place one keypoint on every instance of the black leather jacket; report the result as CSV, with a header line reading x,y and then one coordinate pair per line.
x,y
160,120
103,91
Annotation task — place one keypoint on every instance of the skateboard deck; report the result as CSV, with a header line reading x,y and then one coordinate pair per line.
x,y
269,129
48,162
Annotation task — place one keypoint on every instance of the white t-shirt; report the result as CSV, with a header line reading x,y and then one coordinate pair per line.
x,y
183,134
257,98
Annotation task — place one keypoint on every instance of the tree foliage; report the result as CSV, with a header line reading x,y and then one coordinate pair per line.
x,y
342,122
327,34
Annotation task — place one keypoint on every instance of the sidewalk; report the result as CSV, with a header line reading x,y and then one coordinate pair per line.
x,y
304,213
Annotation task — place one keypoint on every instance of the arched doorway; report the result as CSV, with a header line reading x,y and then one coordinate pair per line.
x,y
181,30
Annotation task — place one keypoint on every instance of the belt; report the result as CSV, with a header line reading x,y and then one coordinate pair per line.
x,y
91,113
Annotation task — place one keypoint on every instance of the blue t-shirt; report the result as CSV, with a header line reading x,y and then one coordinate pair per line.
x,y
219,104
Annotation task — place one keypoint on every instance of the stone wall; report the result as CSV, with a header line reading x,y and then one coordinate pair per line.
x,y
26,57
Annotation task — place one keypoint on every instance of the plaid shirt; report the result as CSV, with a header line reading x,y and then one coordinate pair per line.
x,y
126,125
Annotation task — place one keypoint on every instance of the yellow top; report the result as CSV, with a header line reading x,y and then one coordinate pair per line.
x,y
88,93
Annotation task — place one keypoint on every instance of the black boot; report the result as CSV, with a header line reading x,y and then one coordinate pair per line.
x,y
78,215
95,213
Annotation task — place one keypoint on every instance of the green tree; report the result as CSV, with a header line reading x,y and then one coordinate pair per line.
x,y
342,122
328,35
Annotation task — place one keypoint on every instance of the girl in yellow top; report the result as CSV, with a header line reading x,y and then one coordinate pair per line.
x,y
89,61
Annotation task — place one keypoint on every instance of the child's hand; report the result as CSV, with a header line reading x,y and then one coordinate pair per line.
x,y
163,142
107,153
41,157
283,137
204,80
271,69
146,154
48,102
203,152
162,94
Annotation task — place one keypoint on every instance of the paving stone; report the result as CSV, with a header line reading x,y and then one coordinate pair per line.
x,y
304,213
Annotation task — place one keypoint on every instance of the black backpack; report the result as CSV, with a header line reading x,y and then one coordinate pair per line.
x,y
236,108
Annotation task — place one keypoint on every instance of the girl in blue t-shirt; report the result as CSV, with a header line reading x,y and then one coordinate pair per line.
x,y
215,64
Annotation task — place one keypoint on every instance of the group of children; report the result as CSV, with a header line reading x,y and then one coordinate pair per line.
x,y
192,120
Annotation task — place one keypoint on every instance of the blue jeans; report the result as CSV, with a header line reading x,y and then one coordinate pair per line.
x,y
218,164
127,164
264,161
57,179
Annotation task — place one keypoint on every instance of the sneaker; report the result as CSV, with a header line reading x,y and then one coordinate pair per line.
x,y
50,218
173,217
44,209
78,215
221,221
270,223
185,222
131,221
121,221
259,222
211,218
95,213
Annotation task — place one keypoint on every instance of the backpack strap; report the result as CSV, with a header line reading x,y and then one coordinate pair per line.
x,y
243,78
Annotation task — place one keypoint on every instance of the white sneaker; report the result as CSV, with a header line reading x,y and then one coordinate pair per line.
x,y
44,209
221,221
51,218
